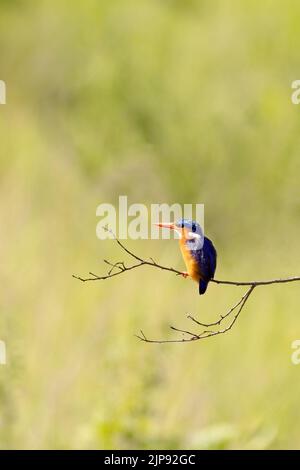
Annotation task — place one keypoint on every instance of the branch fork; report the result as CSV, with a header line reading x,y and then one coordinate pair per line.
x,y
220,326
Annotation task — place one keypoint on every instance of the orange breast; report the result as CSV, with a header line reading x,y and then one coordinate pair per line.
x,y
190,262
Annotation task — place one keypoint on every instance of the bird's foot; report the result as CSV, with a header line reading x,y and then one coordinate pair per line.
x,y
185,274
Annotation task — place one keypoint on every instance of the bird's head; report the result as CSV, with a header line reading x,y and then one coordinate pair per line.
x,y
188,230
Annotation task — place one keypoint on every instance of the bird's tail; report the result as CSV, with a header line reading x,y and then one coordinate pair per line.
x,y
202,286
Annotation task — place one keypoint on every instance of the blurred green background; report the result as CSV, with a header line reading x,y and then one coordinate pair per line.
x,y
164,101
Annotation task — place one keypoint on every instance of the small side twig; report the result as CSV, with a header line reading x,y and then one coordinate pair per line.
x,y
205,333
123,268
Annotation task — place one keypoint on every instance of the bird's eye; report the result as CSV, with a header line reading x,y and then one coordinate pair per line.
x,y
194,227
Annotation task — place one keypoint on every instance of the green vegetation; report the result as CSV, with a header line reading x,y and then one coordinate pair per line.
x,y
165,101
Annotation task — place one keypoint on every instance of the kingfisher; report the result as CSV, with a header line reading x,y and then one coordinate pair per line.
x,y
198,251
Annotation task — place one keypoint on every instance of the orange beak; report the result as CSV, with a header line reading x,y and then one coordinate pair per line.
x,y
169,225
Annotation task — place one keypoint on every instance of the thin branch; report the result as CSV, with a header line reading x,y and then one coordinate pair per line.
x,y
143,262
123,268
258,283
205,333
222,317
118,268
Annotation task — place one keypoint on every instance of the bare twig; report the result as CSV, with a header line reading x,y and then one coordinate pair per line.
x,y
233,313
205,333
222,317
120,265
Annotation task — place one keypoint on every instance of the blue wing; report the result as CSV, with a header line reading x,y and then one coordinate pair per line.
x,y
210,258
207,259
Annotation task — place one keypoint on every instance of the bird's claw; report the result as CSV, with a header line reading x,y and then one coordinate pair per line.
x,y
185,274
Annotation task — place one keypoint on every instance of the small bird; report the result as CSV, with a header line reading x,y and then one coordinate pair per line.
x,y
198,252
